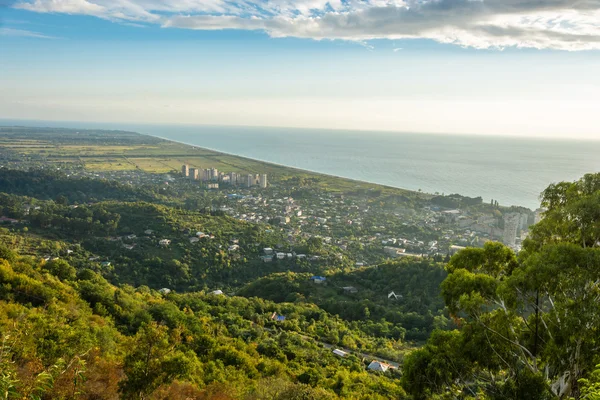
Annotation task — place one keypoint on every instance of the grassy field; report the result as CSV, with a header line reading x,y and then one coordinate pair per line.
x,y
97,150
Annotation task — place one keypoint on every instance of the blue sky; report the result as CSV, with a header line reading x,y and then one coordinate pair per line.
x,y
420,66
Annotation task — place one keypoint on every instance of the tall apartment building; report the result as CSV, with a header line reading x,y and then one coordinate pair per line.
x,y
263,181
193,173
233,178
185,170
511,225
214,174
250,180
524,222
205,175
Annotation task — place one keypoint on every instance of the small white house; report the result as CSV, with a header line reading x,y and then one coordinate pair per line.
x,y
194,240
164,291
164,242
378,366
217,292
340,353
280,256
394,296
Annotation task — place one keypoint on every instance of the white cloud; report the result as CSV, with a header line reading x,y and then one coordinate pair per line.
x,y
23,33
553,24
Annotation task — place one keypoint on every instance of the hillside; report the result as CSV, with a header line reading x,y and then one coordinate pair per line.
x,y
70,334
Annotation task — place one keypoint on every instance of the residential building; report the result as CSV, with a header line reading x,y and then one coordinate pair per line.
x,y
511,225
185,170
233,178
524,222
379,366
193,174
250,180
455,249
263,181
340,353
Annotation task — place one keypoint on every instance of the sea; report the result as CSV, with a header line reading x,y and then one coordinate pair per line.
x,y
511,170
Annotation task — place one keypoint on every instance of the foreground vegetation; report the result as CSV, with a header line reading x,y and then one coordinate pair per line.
x,y
70,334
529,324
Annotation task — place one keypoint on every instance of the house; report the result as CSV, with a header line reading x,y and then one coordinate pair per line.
x,y
350,289
105,264
9,220
164,291
392,251
194,240
266,258
280,256
129,246
132,236
164,242
318,279
277,317
394,296
455,249
217,292
234,247
378,366
340,353
148,232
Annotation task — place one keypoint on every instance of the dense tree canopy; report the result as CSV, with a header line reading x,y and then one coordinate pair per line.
x,y
530,324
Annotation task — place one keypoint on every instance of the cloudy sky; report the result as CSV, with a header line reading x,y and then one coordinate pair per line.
x,y
503,67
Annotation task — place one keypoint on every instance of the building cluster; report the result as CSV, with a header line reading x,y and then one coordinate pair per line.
x,y
514,224
212,177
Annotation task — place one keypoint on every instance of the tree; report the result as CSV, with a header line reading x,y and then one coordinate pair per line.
x,y
314,244
61,269
530,323
153,360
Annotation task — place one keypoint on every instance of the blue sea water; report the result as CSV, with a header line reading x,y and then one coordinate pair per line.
x,y
512,170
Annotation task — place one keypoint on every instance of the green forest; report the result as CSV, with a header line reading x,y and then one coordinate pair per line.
x,y
104,295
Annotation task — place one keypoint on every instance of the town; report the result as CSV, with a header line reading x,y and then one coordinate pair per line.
x,y
212,177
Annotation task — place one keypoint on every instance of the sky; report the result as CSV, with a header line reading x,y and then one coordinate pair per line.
x,y
489,67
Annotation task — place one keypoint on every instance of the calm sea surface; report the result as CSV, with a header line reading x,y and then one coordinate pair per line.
x,y
511,170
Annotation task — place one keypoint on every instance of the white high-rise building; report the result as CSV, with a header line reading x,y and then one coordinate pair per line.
x,y
511,225
214,174
185,170
524,222
263,181
206,174
193,173
233,178
250,180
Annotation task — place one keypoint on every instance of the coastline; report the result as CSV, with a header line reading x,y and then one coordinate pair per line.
x,y
304,170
